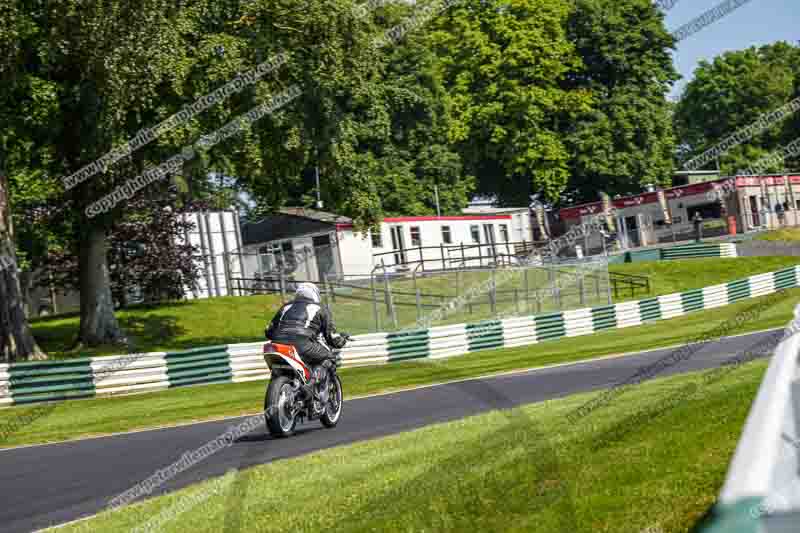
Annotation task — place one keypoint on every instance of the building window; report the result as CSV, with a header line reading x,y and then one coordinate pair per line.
x,y
475,231
416,239
504,232
446,237
277,257
707,211
288,255
377,239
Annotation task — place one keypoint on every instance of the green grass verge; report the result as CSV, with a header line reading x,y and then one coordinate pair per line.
x,y
230,320
785,234
173,326
525,469
99,416
667,277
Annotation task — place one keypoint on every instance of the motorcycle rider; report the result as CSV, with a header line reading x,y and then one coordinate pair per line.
x,y
299,323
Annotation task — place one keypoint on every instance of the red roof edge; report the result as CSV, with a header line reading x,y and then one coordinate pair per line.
x,y
459,217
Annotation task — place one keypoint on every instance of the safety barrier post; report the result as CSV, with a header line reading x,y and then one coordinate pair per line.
x,y
527,289
388,297
375,301
493,294
418,295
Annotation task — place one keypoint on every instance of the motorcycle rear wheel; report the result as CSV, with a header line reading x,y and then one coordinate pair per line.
x,y
333,410
278,404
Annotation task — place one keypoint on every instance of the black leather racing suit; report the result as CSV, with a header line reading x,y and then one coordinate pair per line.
x,y
300,323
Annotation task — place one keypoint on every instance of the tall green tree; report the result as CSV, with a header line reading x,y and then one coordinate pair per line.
x,y
16,338
370,120
414,159
339,71
625,139
730,93
505,64
103,71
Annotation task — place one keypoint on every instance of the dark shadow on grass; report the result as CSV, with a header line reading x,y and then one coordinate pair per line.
x,y
152,330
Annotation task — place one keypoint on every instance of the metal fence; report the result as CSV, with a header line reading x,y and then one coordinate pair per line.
x,y
394,301
457,256
389,301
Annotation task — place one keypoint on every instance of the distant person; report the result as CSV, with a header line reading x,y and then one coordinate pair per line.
x,y
781,213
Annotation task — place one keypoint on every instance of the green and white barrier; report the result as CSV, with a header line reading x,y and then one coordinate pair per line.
x,y
5,385
761,493
689,251
683,251
78,378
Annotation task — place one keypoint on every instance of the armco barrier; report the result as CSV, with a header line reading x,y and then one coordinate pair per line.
x,y
762,491
684,251
77,378
689,251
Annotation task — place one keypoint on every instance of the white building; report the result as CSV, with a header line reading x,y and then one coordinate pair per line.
x,y
520,218
433,243
310,245
303,243
217,235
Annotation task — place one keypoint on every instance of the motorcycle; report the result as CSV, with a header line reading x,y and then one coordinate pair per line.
x,y
289,400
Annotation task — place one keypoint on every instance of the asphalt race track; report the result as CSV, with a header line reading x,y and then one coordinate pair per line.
x,y
47,485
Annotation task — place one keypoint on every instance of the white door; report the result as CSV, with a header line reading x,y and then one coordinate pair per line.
x,y
488,233
398,244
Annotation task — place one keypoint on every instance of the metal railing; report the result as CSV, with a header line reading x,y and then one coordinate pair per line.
x,y
631,282
451,256
422,298
388,300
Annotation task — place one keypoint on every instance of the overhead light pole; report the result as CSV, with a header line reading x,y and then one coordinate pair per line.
x,y
319,197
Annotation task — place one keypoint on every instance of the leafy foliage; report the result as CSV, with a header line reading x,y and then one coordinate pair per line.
x,y
730,93
147,251
505,64
625,140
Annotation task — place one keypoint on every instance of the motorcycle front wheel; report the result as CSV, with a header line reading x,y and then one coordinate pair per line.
x,y
333,410
278,405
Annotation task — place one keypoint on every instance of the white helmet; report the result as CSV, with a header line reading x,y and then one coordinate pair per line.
x,y
309,291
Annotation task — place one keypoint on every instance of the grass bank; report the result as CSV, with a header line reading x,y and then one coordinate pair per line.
x,y
525,469
784,234
169,327
99,416
229,320
667,277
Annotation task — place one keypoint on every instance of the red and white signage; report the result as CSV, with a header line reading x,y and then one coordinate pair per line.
x,y
635,201
756,181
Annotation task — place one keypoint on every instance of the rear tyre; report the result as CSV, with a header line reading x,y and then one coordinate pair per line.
x,y
333,410
278,405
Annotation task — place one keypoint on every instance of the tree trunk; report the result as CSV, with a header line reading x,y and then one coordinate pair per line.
x,y
98,323
26,286
16,338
